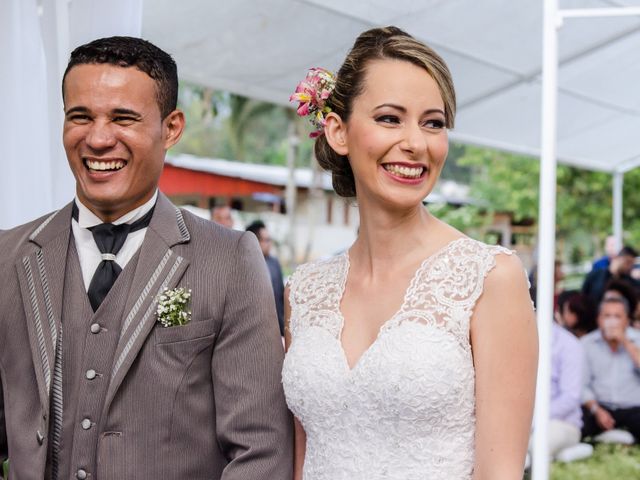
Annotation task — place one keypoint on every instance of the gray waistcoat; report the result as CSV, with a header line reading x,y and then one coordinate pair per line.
x,y
89,341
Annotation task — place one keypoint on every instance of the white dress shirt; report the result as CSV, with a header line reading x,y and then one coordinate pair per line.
x,y
89,253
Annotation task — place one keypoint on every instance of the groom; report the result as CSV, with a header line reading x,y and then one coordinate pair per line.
x,y
102,376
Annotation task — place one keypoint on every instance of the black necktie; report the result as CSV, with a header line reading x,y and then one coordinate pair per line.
x,y
109,238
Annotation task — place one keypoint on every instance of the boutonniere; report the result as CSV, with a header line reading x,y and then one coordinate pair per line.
x,y
173,307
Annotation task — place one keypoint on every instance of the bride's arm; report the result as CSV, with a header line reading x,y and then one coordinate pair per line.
x,y
300,437
505,354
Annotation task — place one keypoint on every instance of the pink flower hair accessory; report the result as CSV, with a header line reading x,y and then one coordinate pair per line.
x,y
312,94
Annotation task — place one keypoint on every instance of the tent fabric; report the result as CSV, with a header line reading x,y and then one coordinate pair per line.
x,y
262,49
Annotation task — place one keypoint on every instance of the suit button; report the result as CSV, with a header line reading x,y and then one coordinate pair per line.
x,y
95,328
39,437
81,474
86,424
90,375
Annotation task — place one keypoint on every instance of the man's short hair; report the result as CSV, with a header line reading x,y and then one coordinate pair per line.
x,y
133,52
627,251
612,300
255,227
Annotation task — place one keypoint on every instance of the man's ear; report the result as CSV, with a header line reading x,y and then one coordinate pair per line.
x,y
336,132
173,126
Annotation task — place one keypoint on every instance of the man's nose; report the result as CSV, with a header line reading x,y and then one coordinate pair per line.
x,y
100,136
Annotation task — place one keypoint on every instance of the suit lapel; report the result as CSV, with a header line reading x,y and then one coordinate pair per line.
x,y
158,268
41,272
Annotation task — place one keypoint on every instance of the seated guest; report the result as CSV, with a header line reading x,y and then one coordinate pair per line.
x,y
576,313
567,359
620,268
611,389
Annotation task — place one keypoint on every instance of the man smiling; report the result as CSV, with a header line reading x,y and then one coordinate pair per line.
x,y
97,379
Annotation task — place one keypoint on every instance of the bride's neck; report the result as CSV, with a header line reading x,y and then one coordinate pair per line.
x,y
389,239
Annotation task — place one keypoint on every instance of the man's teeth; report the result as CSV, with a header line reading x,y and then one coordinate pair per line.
x,y
407,172
103,166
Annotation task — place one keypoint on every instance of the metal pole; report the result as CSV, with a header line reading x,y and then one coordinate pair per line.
x,y
546,237
618,180
291,189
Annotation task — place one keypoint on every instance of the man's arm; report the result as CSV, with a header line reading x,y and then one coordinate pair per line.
x,y
633,351
254,426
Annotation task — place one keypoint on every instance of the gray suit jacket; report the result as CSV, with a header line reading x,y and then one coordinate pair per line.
x,y
199,401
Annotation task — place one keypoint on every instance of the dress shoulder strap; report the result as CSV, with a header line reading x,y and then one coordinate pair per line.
x,y
447,286
315,290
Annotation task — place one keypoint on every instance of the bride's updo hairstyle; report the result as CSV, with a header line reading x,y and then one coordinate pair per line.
x,y
377,44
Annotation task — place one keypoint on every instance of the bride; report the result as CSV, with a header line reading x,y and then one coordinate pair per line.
x,y
413,355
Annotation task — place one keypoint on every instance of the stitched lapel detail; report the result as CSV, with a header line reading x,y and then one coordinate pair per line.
x,y
141,318
144,319
41,277
34,309
42,226
47,299
159,267
56,410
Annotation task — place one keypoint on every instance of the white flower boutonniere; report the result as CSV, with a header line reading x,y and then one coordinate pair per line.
x,y
173,307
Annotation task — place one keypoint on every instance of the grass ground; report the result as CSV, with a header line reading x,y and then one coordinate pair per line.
x,y
609,462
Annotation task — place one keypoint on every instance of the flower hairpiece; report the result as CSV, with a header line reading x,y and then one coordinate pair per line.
x,y
312,94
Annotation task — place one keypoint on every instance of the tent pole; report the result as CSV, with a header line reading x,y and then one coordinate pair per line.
x,y
546,237
618,180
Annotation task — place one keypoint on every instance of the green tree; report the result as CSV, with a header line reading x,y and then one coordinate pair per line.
x,y
503,182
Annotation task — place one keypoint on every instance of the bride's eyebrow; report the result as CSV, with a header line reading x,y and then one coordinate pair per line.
x,y
404,110
391,105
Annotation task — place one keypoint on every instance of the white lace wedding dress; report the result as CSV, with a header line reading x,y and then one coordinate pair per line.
x,y
406,409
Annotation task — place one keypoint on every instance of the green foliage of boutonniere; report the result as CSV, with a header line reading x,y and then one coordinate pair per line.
x,y
173,307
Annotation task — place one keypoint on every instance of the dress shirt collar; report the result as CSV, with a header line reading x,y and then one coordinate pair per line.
x,y
88,219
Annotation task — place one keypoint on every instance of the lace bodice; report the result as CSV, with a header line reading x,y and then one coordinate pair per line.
x,y
406,409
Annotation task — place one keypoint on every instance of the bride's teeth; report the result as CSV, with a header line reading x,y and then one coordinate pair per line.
x,y
403,171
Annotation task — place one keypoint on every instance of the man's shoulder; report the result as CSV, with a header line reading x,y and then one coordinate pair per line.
x,y
12,239
591,338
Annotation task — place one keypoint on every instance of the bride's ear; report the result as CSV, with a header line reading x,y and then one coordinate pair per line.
x,y
336,132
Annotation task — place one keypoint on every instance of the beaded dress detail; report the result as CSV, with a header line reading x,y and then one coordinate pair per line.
x,y
405,410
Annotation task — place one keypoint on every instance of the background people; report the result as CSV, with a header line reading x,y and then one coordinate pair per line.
x,y
611,392
619,268
259,229
222,214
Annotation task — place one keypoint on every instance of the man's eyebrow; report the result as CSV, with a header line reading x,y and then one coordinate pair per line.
x,y
126,111
76,110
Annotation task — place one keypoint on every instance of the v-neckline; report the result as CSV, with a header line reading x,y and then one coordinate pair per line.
x,y
343,285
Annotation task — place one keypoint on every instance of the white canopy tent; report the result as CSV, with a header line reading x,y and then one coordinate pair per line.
x,y
494,49
263,48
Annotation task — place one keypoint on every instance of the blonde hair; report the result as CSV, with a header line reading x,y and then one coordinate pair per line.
x,y
375,44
